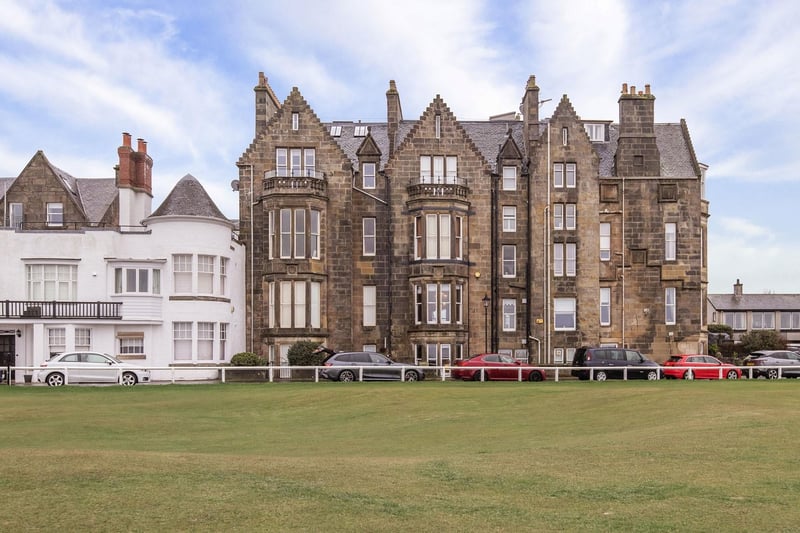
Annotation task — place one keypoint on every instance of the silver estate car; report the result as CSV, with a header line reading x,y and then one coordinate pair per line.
x,y
90,367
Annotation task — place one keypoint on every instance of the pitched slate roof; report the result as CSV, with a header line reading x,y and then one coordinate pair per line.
x,y
96,194
755,302
677,157
189,198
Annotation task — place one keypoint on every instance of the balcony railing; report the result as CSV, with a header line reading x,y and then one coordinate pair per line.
x,y
295,181
439,186
27,309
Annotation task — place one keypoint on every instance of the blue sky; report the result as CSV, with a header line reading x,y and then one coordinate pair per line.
x,y
76,74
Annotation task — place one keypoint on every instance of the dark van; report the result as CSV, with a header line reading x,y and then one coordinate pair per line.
x,y
611,363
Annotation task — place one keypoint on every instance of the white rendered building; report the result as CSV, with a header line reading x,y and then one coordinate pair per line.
x,y
88,266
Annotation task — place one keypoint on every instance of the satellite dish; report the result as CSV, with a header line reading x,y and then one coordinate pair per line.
x,y
235,185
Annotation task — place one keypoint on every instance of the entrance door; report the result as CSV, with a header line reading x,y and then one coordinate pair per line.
x,y
7,349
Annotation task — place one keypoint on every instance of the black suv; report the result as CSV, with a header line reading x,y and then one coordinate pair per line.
x,y
354,366
608,363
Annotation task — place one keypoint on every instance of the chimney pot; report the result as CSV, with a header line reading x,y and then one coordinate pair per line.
x,y
141,145
647,89
126,139
633,89
624,88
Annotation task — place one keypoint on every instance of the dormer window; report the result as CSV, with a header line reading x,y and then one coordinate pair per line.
x,y
596,132
336,131
368,173
360,131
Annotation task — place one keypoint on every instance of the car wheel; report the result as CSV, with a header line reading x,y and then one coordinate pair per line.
x,y
732,374
476,376
600,375
688,375
535,376
129,379
412,375
652,375
772,373
55,380
347,375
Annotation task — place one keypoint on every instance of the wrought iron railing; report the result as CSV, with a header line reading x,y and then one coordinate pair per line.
x,y
33,309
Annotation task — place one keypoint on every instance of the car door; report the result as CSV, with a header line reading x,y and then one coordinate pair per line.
x,y
98,368
380,367
614,359
492,362
72,367
635,360
792,360
709,367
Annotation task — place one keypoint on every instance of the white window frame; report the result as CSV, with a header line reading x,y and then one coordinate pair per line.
x,y
55,214
285,304
315,242
295,121
558,216
56,340
315,316
596,132
509,314
205,274
605,241
205,341
52,281
509,218
418,232
558,259
445,244
182,340
571,175
509,178
570,216
570,259
299,304
16,215
459,236
368,175
509,253
564,310
605,306
299,233
281,162
558,175
131,345
670,241
370,307
83,339
670,305
763,320
368,236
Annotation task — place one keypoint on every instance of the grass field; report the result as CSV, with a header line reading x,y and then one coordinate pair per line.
x,y
568,456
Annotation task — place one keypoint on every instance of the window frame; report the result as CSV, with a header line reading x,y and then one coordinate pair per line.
x,y
509,266
368,177
509,219
605,306
564,308
670,241
509,178
670,306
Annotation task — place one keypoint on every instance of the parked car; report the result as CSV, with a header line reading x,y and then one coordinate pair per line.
x,y
688,366
90,367
348,366
607,363
498,367
763,359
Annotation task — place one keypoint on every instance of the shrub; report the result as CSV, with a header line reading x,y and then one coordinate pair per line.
x,y
302,353
762,340
248,359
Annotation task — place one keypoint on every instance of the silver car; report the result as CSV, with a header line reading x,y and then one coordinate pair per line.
x,y
90,367
351,366
764,363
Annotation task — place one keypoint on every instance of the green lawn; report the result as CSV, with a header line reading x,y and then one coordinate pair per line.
x,y
432,456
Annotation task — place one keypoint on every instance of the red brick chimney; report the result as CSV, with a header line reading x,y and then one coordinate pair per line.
x,y
124,175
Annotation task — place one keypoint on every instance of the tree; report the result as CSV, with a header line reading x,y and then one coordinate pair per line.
x,y
761,340
302,353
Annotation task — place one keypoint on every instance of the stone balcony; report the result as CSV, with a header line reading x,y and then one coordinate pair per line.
x,y
439,187
307,182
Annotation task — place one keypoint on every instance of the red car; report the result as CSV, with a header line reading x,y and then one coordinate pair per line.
x,y
699,367
497,367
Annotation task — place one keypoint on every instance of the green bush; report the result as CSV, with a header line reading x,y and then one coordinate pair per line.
x,y
248,359
302,353
761,340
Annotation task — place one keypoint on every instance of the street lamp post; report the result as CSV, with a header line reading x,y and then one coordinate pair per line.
x,y
485,323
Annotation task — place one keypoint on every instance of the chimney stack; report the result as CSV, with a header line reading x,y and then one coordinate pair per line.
x,y
530,111
637,152
394,114
266,103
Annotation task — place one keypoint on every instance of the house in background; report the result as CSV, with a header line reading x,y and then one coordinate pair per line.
x,y
89,266
435,238
750,312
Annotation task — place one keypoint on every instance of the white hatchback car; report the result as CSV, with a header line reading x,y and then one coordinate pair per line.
x,y
90,367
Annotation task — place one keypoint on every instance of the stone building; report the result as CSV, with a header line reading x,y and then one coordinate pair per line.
x,y
434,239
